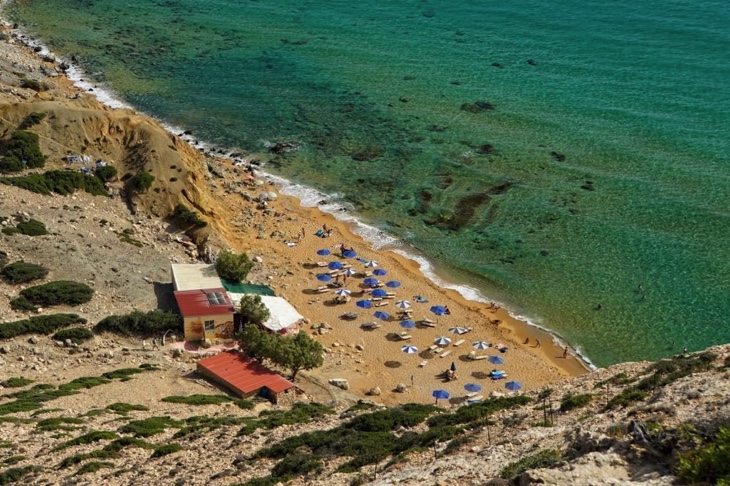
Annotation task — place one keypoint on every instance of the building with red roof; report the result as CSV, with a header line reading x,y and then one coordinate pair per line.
x,y
207,314
245,377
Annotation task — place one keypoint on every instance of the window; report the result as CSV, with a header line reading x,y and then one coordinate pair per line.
x,y
209,326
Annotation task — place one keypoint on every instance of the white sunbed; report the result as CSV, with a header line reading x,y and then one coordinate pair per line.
x,y
458,343
445,353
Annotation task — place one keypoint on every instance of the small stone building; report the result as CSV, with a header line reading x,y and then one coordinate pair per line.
x,y
207,314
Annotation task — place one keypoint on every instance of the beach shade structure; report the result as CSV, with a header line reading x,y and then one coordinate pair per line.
x,y
513,385
473,387
324,277
342,292
259,182
349,272
349,254
439,310
379,293
393,284
458,330
440,395
381,315
272,195
442,341
323,252
380,272
371,264
407,324
481,345
497,360
365,304
370,281
409,349
264,196
403,304
334,265
453,367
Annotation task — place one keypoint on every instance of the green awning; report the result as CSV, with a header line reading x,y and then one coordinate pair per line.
x,y
247,288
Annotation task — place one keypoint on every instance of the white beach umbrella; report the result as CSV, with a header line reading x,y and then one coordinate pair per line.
x,y
481,345
371,264
342,292
403,304
408,349
349,272
272,195
442,341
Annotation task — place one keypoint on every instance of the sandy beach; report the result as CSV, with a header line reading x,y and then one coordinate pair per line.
x,y
370,358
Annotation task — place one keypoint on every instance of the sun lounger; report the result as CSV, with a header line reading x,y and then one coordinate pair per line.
x,y
422,363
367,274
370,325
390,293
376,299
458,343
445,353
474,399
404,337
321,264
437,350
472,394
474,356
389,297
426,321
381,304
320,290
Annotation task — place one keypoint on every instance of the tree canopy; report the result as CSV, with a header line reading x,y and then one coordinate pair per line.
x,y
253,310
232,266
296,353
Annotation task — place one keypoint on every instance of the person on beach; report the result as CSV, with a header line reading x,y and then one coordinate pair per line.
x,y
537,343
447,311
565,352
527,340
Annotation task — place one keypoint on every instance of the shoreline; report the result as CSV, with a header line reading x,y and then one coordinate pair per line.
x,y
510,328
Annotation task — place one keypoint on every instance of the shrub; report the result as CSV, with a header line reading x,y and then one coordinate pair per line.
x,y
22,304
707,464
33,119
295,465
21,272
77,335
11,164
141,324
185,217
16,382
543,459
198,399
39,325
571,401
106,173
125,238
626,398
59,423
23,145
32,228
62,182
93,466
232,266
14,474
33,84
244,404
124,373
90,438
58,292
166,449
141,182
3,254
124,408
150,426
14,460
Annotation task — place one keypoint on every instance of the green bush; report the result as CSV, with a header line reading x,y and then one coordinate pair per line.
x,y
39,325
198,399
625,398
14,474
14,460
544,459
32,228
33,119
707,464
141,182
571,401
124,408
59,423
77,335
185,217
124,238
22,304
166,449
141,324
124,373
232,266
106,173
84,382
23,145
150,426
11,164
93,466
295,465
58,293
244,404
21,272
62,182
89,438
15,382
477,412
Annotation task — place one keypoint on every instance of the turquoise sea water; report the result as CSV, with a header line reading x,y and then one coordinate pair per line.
x,y
553,155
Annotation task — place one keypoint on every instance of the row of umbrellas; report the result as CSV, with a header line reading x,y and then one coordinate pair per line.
x,y
346,254
474,388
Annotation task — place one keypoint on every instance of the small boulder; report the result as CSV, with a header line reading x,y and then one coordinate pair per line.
x,y
374,391
401,388
340,383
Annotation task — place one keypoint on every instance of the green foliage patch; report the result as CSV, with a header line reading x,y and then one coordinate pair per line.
x,y
475,414
89,438
61,182
105,173
31,120
39,325
93,466
198,399
22,272
32,227
141,324
184,217
14,460
708,463
547,458
22,148
77,335
110,451
233,266
166,449
15,474
59,423
125,408
141,182
59,292
150,426
570,401
16,382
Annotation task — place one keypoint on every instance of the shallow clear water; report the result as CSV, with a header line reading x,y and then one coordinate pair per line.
x,y
554,156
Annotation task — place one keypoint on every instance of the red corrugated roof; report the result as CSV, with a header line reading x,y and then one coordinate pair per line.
x,y
244,374
197,303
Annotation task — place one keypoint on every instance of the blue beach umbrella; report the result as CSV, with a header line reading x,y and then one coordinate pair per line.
x,y
439,310
370,281
334,265
409,349
365,304
408,324
472,387
440,395
323,252
324,277
378,293
513,385
393,284
349,254
496,360
442,341
381,315
380,272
